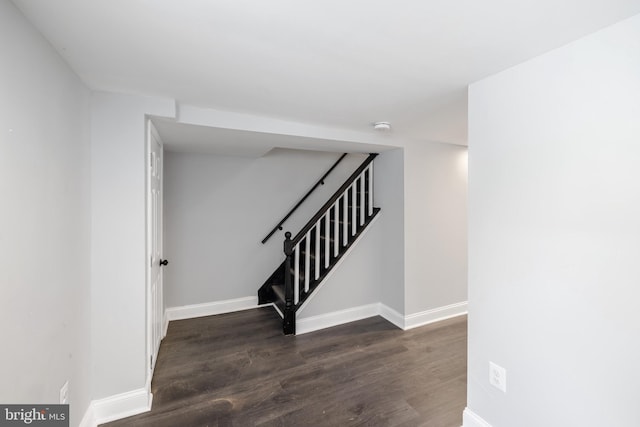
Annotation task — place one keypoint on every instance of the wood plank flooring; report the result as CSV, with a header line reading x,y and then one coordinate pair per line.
x,y
238,369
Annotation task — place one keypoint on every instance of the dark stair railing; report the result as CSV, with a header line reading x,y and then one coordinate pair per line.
x,y
320,244
317,184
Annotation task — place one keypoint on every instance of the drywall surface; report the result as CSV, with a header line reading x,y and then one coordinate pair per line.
x,y
554,226
389,195
435,226
44,221
218,209
118,227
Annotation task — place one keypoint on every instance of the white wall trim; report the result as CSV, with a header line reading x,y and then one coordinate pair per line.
x,y
89,419
210,308
392,316
327,320
117,407
434,315
165,324
335,318
321,321
471,419
276,307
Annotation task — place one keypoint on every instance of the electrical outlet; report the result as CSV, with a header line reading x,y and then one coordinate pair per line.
x,y
64,393
498,377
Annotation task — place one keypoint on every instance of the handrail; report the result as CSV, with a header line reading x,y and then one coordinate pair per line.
x,y
320,182
312,222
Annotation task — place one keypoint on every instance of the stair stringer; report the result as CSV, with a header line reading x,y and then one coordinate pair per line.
x,y
338,264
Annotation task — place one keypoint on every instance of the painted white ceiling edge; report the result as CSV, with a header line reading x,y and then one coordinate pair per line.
x,y
334,63
224,133
187,138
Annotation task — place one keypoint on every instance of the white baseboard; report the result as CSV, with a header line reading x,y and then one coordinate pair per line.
x,y
335,318
210,308
88,420
165,324
471,419
327,320
116,407
314,323
434,315
276,307
392,316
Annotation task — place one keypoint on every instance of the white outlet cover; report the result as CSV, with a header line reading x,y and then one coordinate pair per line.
x,y
64,393
498,377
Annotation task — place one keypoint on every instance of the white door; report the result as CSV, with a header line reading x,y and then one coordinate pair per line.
x,y
154,246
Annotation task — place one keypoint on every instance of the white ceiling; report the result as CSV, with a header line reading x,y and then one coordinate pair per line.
x,y
333,63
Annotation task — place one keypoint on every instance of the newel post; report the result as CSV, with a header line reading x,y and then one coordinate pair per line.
x,y
289,324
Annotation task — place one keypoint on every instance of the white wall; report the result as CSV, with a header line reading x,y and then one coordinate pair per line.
x,y
554,236
118,257
389,194
218,209
44,221
435,226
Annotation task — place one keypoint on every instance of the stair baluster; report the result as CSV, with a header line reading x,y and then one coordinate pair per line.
x,y
370,169
289,324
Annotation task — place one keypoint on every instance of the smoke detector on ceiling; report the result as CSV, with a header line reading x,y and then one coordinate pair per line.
x,y
382,126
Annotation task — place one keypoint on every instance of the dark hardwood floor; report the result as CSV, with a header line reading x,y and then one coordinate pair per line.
x,y
238,369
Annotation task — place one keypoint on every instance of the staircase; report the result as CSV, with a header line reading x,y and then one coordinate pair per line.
x,y
318,247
